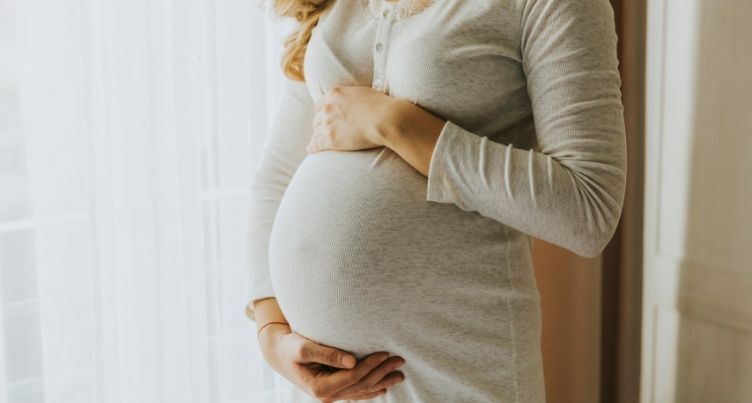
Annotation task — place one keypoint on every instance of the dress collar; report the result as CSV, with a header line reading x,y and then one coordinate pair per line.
x,y
401,8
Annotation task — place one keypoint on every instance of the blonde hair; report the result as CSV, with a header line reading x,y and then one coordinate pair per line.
x,y
307,14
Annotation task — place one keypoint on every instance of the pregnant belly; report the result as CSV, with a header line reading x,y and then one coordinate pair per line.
x,y
356,250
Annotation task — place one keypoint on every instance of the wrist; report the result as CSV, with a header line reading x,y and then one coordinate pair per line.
x,y
270,334
410,123
269,342
269,326
267,310
395,122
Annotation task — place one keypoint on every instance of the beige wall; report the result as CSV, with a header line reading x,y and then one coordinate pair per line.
x,y
570,288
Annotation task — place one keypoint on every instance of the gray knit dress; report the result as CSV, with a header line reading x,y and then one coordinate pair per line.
x,y
366,254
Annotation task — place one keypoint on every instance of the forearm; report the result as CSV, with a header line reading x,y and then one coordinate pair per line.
x,y
413,136
267,310
573,202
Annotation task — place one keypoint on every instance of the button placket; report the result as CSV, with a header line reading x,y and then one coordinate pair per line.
x,y
381,45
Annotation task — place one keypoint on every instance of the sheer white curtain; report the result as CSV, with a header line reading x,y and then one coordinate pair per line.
x,y
128,133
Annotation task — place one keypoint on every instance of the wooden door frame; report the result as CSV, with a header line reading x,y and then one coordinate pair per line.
x,y
621,295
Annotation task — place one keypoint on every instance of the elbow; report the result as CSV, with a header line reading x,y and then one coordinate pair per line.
x,y
602,199
591,239
587,237
592,245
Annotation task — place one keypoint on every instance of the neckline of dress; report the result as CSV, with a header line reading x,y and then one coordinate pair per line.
x,y
402,9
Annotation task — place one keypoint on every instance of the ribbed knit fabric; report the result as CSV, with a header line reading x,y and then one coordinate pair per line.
x,y
365,254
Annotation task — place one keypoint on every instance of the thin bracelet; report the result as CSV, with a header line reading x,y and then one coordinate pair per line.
x,y
267,324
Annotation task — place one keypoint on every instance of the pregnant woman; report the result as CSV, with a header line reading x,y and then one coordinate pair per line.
x,y
418,148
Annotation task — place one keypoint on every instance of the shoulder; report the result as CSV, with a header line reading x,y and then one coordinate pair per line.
x,y
569,8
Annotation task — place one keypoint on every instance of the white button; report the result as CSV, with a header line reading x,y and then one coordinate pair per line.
x,y
379,47
377,82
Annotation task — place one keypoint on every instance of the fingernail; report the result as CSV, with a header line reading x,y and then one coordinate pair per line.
x,y
399,378
348,361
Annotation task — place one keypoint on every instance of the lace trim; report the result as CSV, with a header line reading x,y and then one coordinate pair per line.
x,y
402,9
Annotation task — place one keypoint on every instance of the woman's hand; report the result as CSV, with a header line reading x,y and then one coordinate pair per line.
x,y
353,118
323,371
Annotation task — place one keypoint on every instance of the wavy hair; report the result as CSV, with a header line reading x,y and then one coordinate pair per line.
x,y
307,14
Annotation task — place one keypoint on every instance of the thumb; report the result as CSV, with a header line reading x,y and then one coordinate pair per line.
x,y
314,352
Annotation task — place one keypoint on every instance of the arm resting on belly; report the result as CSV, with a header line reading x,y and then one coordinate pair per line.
x,y
571,192
282,153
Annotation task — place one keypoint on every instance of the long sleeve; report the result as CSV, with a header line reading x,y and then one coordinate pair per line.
x,y
281,155
569,191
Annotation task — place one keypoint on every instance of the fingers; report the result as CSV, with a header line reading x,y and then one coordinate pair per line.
x,y
376,378
324,137
390,380
323,118
323,129
325,97
326,385
369,395
320,141
364,367
333,383
311,352
377,375
318,115
327,112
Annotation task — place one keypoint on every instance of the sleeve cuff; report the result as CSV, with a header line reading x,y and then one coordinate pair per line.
x,y
437,169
